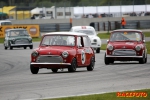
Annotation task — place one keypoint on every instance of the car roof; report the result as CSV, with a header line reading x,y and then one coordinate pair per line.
x,y
15,29
126,30
83,27
5,21
66,33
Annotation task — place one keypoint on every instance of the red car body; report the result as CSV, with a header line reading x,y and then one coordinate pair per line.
x,y
76,52
130,46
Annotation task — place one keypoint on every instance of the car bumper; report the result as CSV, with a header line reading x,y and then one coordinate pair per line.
x,y
18,45
124,56
95,46
50,63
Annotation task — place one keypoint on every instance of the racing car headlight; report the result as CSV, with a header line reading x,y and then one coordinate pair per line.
x,y
109,47
138,48
35,54
95,40
65,54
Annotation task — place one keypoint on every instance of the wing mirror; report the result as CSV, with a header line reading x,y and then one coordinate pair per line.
x,y
144,41
107,41
79,46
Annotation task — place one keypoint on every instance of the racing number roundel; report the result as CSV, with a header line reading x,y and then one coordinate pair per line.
x,y
83,57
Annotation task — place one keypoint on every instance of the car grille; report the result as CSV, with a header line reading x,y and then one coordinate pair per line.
x,y
124,52
22,41
93,43
49,59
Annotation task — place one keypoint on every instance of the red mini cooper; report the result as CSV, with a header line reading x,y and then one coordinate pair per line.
x,y
126,45
59,50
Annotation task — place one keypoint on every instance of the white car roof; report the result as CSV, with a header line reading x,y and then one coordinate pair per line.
x,y
83,27
127,30
15,29
66,33
4,21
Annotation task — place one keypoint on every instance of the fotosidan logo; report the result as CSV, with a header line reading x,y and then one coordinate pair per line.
x,y
33,30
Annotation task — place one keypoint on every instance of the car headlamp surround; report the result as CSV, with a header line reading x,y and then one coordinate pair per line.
x,y
95,40
138,47
35,53
110,47
65,54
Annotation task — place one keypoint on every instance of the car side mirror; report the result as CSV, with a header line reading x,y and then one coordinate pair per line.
x,y
79,46
107,41
144,41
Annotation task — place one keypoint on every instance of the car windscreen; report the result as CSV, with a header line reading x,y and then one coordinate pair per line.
x,y
125,36
60,40
88,32
18,33
6,23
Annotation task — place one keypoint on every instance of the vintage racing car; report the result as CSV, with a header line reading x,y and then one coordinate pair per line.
x,y
16,38
59,50
90,31
126,45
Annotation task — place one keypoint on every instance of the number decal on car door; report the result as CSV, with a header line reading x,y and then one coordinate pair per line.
x,y
83,57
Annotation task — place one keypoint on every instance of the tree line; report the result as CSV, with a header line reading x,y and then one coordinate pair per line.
x,y
71,2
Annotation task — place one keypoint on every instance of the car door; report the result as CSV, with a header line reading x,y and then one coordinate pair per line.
x,y
87,49
81,56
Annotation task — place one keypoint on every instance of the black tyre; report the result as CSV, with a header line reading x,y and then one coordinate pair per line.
x,y
73,66
5,48
25,47
54,70
11,47
92,64
106,60
31,47
98,50
112,61
142,60
34,70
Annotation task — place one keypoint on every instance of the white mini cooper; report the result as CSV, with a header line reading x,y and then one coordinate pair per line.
x,y
90,31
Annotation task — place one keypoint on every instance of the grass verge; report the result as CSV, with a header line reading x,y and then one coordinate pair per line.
x,y
111,96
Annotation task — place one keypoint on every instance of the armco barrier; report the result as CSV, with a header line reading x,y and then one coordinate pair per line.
x,y
55,27
107,25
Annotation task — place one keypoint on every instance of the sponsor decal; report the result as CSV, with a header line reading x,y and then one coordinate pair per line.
x,y
33,30
131,94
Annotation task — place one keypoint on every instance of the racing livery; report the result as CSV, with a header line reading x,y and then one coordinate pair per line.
x,y
59,50
126,45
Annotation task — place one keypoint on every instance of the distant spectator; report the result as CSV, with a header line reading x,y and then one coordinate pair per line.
x,y
123,22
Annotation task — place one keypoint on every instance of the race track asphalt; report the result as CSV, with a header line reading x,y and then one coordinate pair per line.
x,y
17,82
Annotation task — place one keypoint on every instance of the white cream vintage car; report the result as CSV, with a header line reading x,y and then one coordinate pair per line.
x,y
90,31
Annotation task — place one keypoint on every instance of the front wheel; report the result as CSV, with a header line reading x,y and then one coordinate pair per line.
x,y
73,66
92,64
142,60
34,70
98,50
31,47
106,60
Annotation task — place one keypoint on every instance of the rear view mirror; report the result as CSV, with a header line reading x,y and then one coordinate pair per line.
x,y
107,41
144,41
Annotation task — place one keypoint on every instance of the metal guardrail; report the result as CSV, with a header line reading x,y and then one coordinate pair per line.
x,y
54,27
104,26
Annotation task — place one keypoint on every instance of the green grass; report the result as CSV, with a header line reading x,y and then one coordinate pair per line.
x,y
104,35
108,96
107,35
